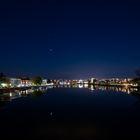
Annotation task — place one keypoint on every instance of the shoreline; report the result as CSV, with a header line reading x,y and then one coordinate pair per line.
x,y
4,90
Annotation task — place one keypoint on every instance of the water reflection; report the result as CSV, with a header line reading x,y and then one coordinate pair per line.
x,y
7,97
37,93
113,88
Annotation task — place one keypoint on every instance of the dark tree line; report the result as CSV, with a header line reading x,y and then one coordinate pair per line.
x,y
37,80
4,78
137,78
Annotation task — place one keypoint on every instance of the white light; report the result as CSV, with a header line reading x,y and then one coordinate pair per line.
x,y
81,86
4,85
10,94
92,88
86,85
80,81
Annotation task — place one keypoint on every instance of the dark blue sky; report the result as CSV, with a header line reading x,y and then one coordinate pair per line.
x,y
70,38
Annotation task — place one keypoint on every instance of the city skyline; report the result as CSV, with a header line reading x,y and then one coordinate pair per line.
x,y
69,39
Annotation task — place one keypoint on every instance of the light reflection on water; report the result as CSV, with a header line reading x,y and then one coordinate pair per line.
x,y
79,110
28,92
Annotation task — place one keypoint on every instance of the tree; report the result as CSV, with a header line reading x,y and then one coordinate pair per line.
x,y
49,81
37,80
137,79
89,81
2,75
138,73
4,79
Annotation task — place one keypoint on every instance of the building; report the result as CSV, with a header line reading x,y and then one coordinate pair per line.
x,y
44,82
25,82
15,82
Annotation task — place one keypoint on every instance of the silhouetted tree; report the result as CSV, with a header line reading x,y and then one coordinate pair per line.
x,y
89,81
2,74
95,81
137,79
37,80
107,82
48,81
137,73
4,79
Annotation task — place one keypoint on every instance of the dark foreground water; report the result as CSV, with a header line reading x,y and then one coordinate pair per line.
x,y
70,113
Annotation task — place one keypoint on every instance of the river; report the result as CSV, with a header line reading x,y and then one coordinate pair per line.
x,y
70,112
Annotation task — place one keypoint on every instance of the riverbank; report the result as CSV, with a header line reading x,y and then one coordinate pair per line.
x,y
4,90
115,85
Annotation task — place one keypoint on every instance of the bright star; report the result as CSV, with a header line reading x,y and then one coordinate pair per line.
x,y
50,50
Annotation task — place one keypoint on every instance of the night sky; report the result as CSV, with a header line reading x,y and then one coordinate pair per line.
x,y
70,38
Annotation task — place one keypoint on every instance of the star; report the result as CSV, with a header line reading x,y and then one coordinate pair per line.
x,y
51,114
51,50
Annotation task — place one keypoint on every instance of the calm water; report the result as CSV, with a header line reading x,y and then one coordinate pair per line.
x,y
67,113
